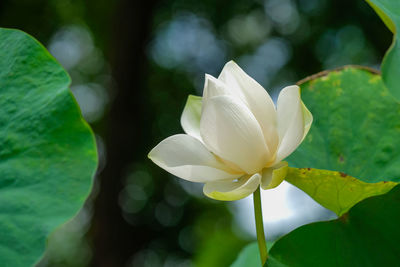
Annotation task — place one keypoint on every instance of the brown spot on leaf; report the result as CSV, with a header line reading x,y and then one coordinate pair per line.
x,y
344,218
342,174
309,169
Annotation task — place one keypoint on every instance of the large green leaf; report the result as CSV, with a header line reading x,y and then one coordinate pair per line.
x,y
47,151
356,133
356,128
366,236
336,191
250,257
389,11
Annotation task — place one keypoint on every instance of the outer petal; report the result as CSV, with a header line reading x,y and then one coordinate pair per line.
x,y
290,121
230,130
190,119
232,190
274,176
186,157
256,98
308,119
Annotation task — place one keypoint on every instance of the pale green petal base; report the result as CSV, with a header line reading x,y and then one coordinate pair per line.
x,y
274,176
232,190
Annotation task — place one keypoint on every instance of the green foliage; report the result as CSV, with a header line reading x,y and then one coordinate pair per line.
x,y
385,9
218,248
217,244
363,237
47,152
336,191
249,256
389,12
367,236
356,129
355,132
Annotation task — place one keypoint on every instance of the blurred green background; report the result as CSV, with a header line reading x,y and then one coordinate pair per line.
x,y
132,64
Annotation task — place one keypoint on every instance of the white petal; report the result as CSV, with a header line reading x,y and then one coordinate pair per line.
x,y
230,130
190,119
307,118
186,157
214,87
290,121
256,98
272,177
232,190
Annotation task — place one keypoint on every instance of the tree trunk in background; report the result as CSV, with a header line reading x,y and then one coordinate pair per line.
x,y
114,241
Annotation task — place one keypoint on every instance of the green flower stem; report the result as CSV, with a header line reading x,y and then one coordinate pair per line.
x,y
262,246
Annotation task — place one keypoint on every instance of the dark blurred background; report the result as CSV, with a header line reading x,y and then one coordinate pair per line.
x,y
132,65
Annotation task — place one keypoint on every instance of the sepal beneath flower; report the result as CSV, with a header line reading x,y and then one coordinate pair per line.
x,y
274,176
233,189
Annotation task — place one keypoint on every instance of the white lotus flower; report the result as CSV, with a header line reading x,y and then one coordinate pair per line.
x,y
235,137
